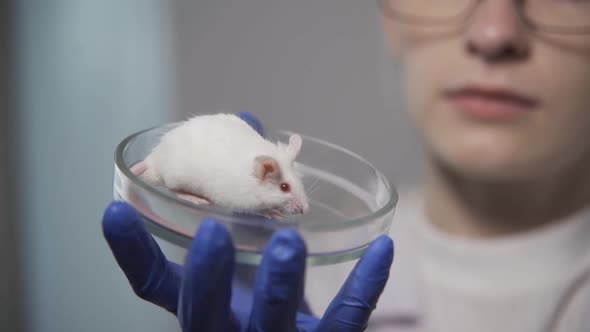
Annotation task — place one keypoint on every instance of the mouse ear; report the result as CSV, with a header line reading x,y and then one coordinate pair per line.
x,y
266,167
294,146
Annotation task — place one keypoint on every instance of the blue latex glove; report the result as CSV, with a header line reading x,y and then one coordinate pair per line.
x,y
201,293
252,121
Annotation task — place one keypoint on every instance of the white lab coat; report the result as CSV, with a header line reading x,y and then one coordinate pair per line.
x,y
539,281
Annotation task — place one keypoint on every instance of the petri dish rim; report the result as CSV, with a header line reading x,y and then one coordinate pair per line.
x,y
330,224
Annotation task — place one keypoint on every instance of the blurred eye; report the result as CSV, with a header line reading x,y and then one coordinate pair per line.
x,y
285,187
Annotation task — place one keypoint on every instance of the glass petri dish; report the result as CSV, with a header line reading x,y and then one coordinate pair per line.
x,y
351,202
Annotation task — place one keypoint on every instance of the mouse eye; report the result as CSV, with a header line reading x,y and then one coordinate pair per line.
x,y
285,187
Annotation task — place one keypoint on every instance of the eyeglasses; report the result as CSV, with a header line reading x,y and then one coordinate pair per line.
x,y
552,16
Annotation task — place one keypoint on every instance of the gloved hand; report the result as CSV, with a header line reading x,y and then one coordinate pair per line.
x,y
201,295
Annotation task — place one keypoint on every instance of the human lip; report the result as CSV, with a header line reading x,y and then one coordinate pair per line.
x,y
486,102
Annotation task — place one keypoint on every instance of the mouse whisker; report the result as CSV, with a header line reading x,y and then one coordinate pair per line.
x,y
312,187
313,183
312,190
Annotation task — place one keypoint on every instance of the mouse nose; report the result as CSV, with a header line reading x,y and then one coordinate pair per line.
x,y
299,206
303,207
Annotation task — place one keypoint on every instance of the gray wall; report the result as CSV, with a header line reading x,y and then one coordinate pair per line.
x,y
91,72
314,66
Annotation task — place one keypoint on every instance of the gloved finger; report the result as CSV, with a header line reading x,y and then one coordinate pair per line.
x,y
351,308
206,287
279,283
252,121
152,277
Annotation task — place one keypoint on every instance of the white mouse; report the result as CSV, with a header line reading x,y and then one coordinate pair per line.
x,y
220,159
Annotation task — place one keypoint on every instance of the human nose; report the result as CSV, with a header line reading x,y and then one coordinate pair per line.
x,y
496,32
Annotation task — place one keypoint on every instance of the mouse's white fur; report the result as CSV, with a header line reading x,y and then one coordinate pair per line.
x,y
213,155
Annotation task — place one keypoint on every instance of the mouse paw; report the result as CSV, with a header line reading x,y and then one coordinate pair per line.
x,y
273,214
195,199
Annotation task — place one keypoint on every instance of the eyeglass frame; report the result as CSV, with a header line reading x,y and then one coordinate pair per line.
x,y
469,11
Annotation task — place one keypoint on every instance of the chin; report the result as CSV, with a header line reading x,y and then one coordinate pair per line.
x,y
487,158
496,172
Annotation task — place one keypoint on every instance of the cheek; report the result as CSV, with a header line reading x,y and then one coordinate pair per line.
x,y
424,76
565,87
564,130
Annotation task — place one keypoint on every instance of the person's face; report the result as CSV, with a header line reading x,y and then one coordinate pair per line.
x,y
493,99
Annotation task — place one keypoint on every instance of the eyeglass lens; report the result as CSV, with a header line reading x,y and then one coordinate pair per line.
x,y
558,14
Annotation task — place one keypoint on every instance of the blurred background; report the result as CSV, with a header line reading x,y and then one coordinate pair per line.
x,y
77,76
